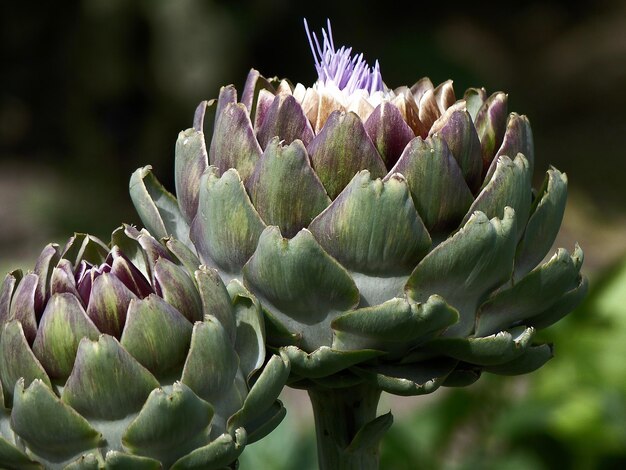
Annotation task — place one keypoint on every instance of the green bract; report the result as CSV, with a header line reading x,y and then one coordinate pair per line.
x,y
395,245
132,356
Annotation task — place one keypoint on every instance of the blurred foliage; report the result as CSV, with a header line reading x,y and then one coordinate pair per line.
x,y
569,414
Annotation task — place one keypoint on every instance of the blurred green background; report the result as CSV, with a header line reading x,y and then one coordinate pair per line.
x,y
92,89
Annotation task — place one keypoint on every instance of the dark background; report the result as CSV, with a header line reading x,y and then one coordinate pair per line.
x,y
90,90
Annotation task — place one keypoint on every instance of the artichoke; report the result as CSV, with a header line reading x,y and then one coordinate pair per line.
x,y
131,357
392,237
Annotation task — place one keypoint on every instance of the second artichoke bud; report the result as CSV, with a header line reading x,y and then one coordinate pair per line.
x,y
131,355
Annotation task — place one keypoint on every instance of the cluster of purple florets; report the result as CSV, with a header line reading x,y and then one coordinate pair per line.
x,y
339,68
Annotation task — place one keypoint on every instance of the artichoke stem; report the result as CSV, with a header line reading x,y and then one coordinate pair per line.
x,y
339,414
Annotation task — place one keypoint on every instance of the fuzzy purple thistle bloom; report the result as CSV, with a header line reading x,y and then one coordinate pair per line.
x,y
338,67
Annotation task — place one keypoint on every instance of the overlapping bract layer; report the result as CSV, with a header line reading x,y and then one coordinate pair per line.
x,y
131,357
390,238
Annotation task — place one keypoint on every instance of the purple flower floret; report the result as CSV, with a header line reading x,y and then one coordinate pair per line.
x,y
338,67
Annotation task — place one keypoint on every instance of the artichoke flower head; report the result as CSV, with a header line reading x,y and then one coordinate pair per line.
x,y
342,78
392,237
129,356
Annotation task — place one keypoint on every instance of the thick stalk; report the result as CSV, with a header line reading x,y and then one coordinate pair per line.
x,y
339,414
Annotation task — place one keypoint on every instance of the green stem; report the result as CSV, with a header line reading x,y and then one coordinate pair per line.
x,y
339,414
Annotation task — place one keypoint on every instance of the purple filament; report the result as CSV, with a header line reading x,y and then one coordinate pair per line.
x,y
338,67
